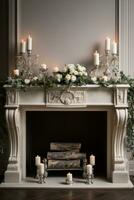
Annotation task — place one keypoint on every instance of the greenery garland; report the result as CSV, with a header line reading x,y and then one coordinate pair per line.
x,y
130,122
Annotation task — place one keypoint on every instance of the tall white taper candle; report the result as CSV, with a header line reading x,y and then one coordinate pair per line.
x,y
96,59
107,44
29,43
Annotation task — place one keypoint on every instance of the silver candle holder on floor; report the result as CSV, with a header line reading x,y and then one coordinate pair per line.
x,y
41,169
42,178
90,176
69,179
90,170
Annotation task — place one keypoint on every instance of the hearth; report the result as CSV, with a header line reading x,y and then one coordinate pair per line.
x,y
87,102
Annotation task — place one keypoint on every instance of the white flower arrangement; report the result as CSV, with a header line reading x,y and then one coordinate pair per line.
x,y
71,74
102,79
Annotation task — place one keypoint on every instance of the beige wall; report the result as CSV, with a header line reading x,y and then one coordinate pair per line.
x,y
67,31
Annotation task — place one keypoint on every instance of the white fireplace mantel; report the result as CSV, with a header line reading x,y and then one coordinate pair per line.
x,y
112,99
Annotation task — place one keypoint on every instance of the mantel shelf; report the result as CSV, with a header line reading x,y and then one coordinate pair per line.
x,y
77,96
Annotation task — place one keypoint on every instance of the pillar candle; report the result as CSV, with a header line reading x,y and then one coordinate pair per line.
x,y
107,44
29,43
37,160
23,46
41,168
44,66
56,69
96,58
92,160
89,169
69,177
114,48
16,72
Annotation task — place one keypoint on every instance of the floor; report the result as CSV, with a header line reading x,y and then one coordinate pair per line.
x,y
67,194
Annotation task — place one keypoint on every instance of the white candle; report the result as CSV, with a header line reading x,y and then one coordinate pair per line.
x,y
107,44
56,69
114,48
16,72
44,66
89,169
92,160
37,160
96,58
69,177
41,168
23,46
29,43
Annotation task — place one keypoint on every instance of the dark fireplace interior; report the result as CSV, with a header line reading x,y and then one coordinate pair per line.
x,y
87,127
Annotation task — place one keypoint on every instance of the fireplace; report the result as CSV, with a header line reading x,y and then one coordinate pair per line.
x,y
87,127
92,102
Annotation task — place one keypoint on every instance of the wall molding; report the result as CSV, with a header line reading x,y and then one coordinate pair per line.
x,y
12,33
125,36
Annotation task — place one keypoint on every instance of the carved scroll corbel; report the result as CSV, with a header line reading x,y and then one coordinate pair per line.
x,y
13,130
118,139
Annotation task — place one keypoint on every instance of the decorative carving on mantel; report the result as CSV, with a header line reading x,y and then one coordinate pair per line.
x,y
120,97
11,96
66,97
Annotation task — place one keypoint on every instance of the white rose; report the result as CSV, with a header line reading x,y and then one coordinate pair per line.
x,y
27,81
43,66
105,78
83,68
16,72
71,66
72,71
35,78
56,69
58,77
65,69
76,72
73,78
94,79
79,67
85,73
68,77
80,73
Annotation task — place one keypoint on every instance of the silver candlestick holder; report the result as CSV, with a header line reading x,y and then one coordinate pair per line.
x,y
109,66
69,182
45,169
42,178
37,172
89,179
27,63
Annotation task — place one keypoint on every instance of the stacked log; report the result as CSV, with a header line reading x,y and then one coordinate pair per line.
x,y
63,164
65,156
54,146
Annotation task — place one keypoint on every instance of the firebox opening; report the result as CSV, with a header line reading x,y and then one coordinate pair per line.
x,y
87,127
